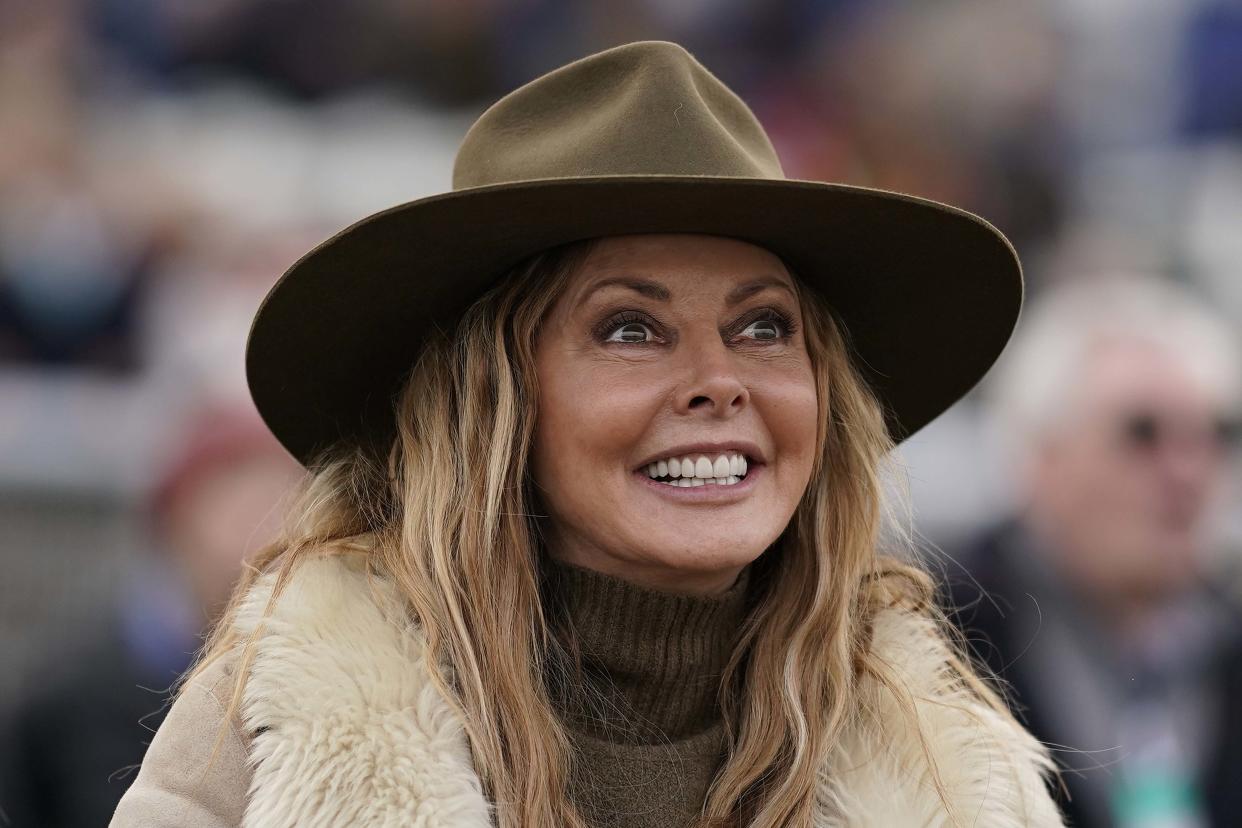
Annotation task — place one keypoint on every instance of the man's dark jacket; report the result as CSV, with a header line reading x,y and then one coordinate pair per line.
x,y
999,610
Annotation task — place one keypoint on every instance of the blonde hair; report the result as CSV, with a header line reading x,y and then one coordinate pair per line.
x,y
447,514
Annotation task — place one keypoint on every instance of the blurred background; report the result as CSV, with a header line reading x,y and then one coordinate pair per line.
x,y
163,161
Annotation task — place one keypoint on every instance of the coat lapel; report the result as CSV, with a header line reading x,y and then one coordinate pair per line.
x,y
356,733
991,769
351,730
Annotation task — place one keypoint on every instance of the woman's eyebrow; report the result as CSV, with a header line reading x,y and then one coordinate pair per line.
x,y
749,289
648,288
655,290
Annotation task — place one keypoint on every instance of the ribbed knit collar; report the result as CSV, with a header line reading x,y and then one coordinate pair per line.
x,y
651,660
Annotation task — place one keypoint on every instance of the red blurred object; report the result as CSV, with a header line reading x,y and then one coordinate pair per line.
x,y
215,436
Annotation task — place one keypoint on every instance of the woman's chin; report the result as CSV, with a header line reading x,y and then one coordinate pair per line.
x,y
702,550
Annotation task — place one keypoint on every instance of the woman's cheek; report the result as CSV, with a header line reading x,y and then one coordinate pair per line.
x,y
586,419
792,412
613,400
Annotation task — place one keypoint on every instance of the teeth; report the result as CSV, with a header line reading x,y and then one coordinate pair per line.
x,y
691,482
724,470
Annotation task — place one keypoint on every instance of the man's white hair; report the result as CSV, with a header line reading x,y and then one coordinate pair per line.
x,y
1028,391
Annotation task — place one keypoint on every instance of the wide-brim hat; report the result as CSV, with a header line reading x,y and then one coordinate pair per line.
x,y
640,138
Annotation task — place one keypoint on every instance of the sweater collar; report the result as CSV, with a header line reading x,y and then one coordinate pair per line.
x,y
651,660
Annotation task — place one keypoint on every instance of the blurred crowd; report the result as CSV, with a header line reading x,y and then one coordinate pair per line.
x,y
163,161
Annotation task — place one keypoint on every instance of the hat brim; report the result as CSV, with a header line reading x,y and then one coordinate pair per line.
x,y
930,293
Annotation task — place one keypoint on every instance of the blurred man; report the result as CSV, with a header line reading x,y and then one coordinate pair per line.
x,y
68,751
1098,600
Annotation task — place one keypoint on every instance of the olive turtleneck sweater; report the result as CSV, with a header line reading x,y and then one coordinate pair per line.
x,y
643,714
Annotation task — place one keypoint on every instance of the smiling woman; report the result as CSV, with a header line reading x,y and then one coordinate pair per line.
x,y
677,368
590,530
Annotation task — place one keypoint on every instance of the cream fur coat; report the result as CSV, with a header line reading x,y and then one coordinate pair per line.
x,y
350,730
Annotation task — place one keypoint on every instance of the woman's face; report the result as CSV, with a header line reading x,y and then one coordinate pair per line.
x,y
666,348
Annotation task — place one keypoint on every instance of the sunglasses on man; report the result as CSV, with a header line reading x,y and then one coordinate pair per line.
x,y
1147,430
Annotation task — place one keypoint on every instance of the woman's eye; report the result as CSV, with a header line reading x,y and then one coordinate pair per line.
x,y
764,330
629,332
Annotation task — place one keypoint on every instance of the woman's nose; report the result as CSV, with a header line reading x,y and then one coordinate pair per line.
x,y
714,385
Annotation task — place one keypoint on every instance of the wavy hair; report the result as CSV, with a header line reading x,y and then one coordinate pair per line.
x,y
448,511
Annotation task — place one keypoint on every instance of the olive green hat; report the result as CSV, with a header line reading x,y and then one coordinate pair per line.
x,y
640,138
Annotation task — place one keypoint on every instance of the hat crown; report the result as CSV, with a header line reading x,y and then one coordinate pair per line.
x,y
646,108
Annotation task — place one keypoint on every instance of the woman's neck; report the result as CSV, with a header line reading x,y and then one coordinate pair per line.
x,y
651,660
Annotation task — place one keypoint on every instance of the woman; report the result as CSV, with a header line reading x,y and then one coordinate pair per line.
x,y
606,554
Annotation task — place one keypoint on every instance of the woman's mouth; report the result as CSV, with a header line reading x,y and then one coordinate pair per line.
x,y
723,469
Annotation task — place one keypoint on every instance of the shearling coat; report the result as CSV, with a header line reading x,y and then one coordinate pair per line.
x,y
341,725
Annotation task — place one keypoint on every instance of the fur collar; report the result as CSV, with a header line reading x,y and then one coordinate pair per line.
x,y
350,729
